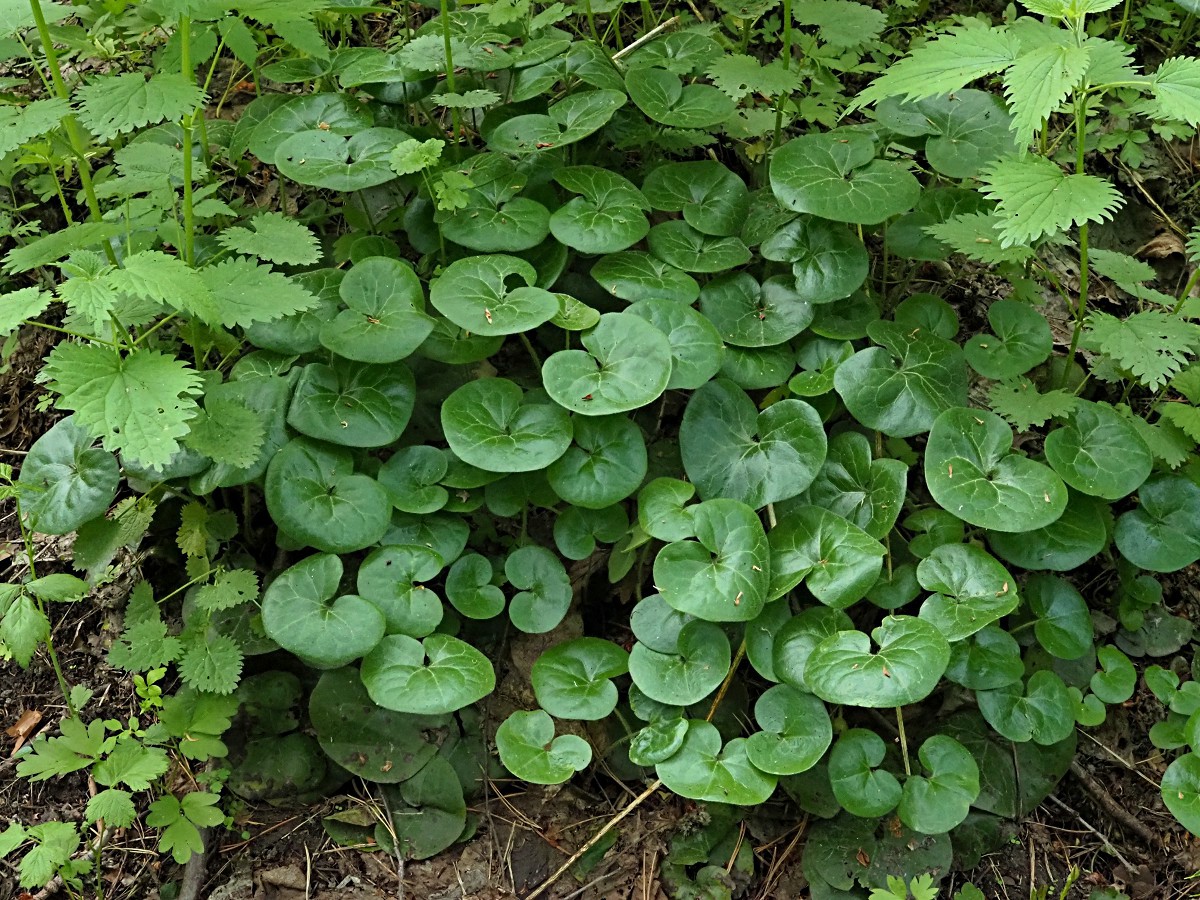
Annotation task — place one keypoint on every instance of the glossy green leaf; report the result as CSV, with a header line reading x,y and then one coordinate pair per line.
x,y
411,475
1021,341
1099,452
658,741
749,314
860,786
302,614
972,590
353,404
301,332
1065,544
427,812
990,658
324,159
489,424
470,589
929,313
867,492
441,532
760,637
663,512
799,636
972,472
66,480
758,368
341,114
605,464
314,495
1117,678
731,450
713,199
608,217
1181,791
664,97
966,129
544,589
678,244
393,578
796,731
438,675
573,679
688,672
636,275
906,667
476,293
626,364
702,769
384,320
828,260
837,561
569,120
1064,624
1160,534
937,802
1040,711
724,574
529,749
696,347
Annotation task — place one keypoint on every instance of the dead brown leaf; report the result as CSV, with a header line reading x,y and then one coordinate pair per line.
x,y
25,726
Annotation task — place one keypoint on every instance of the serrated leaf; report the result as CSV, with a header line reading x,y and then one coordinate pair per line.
x,y
56,843
841,23
478,99
17,306
229,589
117,104
1035,198
114,806
23,627
139,403
144,646
1038,82
211,663
227,432
1152,345
978,235
737,75
153,275
132,764
273,237
21,124
1176,87
244,292
1020,402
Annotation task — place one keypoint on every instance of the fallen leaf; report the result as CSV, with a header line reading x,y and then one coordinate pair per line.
x,y
26,725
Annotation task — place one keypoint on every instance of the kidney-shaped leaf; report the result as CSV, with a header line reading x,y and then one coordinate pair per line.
x,y
704,770
867,492
65,480
393,578
860,786
545,589
573,680
1040,711
796,731
696,348
1063,624
748,314
489,424
1099,452
664,97
1021,341
799,636
680,245
935,803
606,463
829,261
972,590
610,215
1065,544
438,675
838,561
1161,535
1181,791
635,275
475,294
712,199
327,160
529,749
569,120
686,674
351,403
384,320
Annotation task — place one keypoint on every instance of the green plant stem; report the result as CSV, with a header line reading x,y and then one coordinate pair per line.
x,y
75,135
189,216
787,34
1187,290
1081,307
903,740
533,354
445,17
69,333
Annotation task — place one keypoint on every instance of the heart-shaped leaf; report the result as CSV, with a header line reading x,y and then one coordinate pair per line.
x,y
545,589
1160,535
860,786
972,590
393,578
489,424
902,385
799,636
687,672
573,679
990,658
663,512
492,218
724,574
427,813
529,749
749,314
838,561
928,313
658,741
680,245
936,803
353,404
605,464
324,159
577,530
65,480
438,675
448,343
966,129
370,742
635,275
1064,624
1021,341
656,624
972,472
704,770
664,97
411,476
713,199
829,261
867,492
569,120
300,613
627,364
1065,544
696,348
836,176
445,534
475,294
315,497
758,368
470,589
819,358
760,637
339,114
796,731
1040,711
911,658
384,320
1117,678
1181,791
1099,452
731,450
610,215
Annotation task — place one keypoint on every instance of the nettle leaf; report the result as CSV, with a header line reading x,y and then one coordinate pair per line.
x,y
22,628
1160,535
899,388
964,130
573,679
314,495
302,614
17,306
635,275
529,749
737,75
1020,402
116,104
227,432
626,364
731,450
937,803
748,314
664,97
1040,711
911,658
325,159
680,245
841,23
275,238
1063,623
696,347
66,481
385,318
1035,198
352,404
138,403
723,575
544,589
837,561
688,670
713,199
1153,345
1040,79
972,472
1021,341
21,124
474,293
571,119
243,292
829,261
836,176
972,590
860,787
796,731
1099,452
438,675
1176,87
228,589
867,492
605,464
978,235
489,424
704,770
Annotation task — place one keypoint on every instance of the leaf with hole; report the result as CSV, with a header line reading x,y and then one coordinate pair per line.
x,y
438,675
1160,534
1099,452
972,590
911,657
301,612
314,495
351,403
686,673
704,770
573,679
796,731
860,785
936,803
749,314
492,424
384,320
837,561
485,295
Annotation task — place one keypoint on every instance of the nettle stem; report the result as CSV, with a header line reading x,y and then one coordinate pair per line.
x,y
1081,307
445,17
79,142
189,216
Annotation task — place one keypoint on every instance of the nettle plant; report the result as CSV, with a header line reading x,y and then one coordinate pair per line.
x,y
520,325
